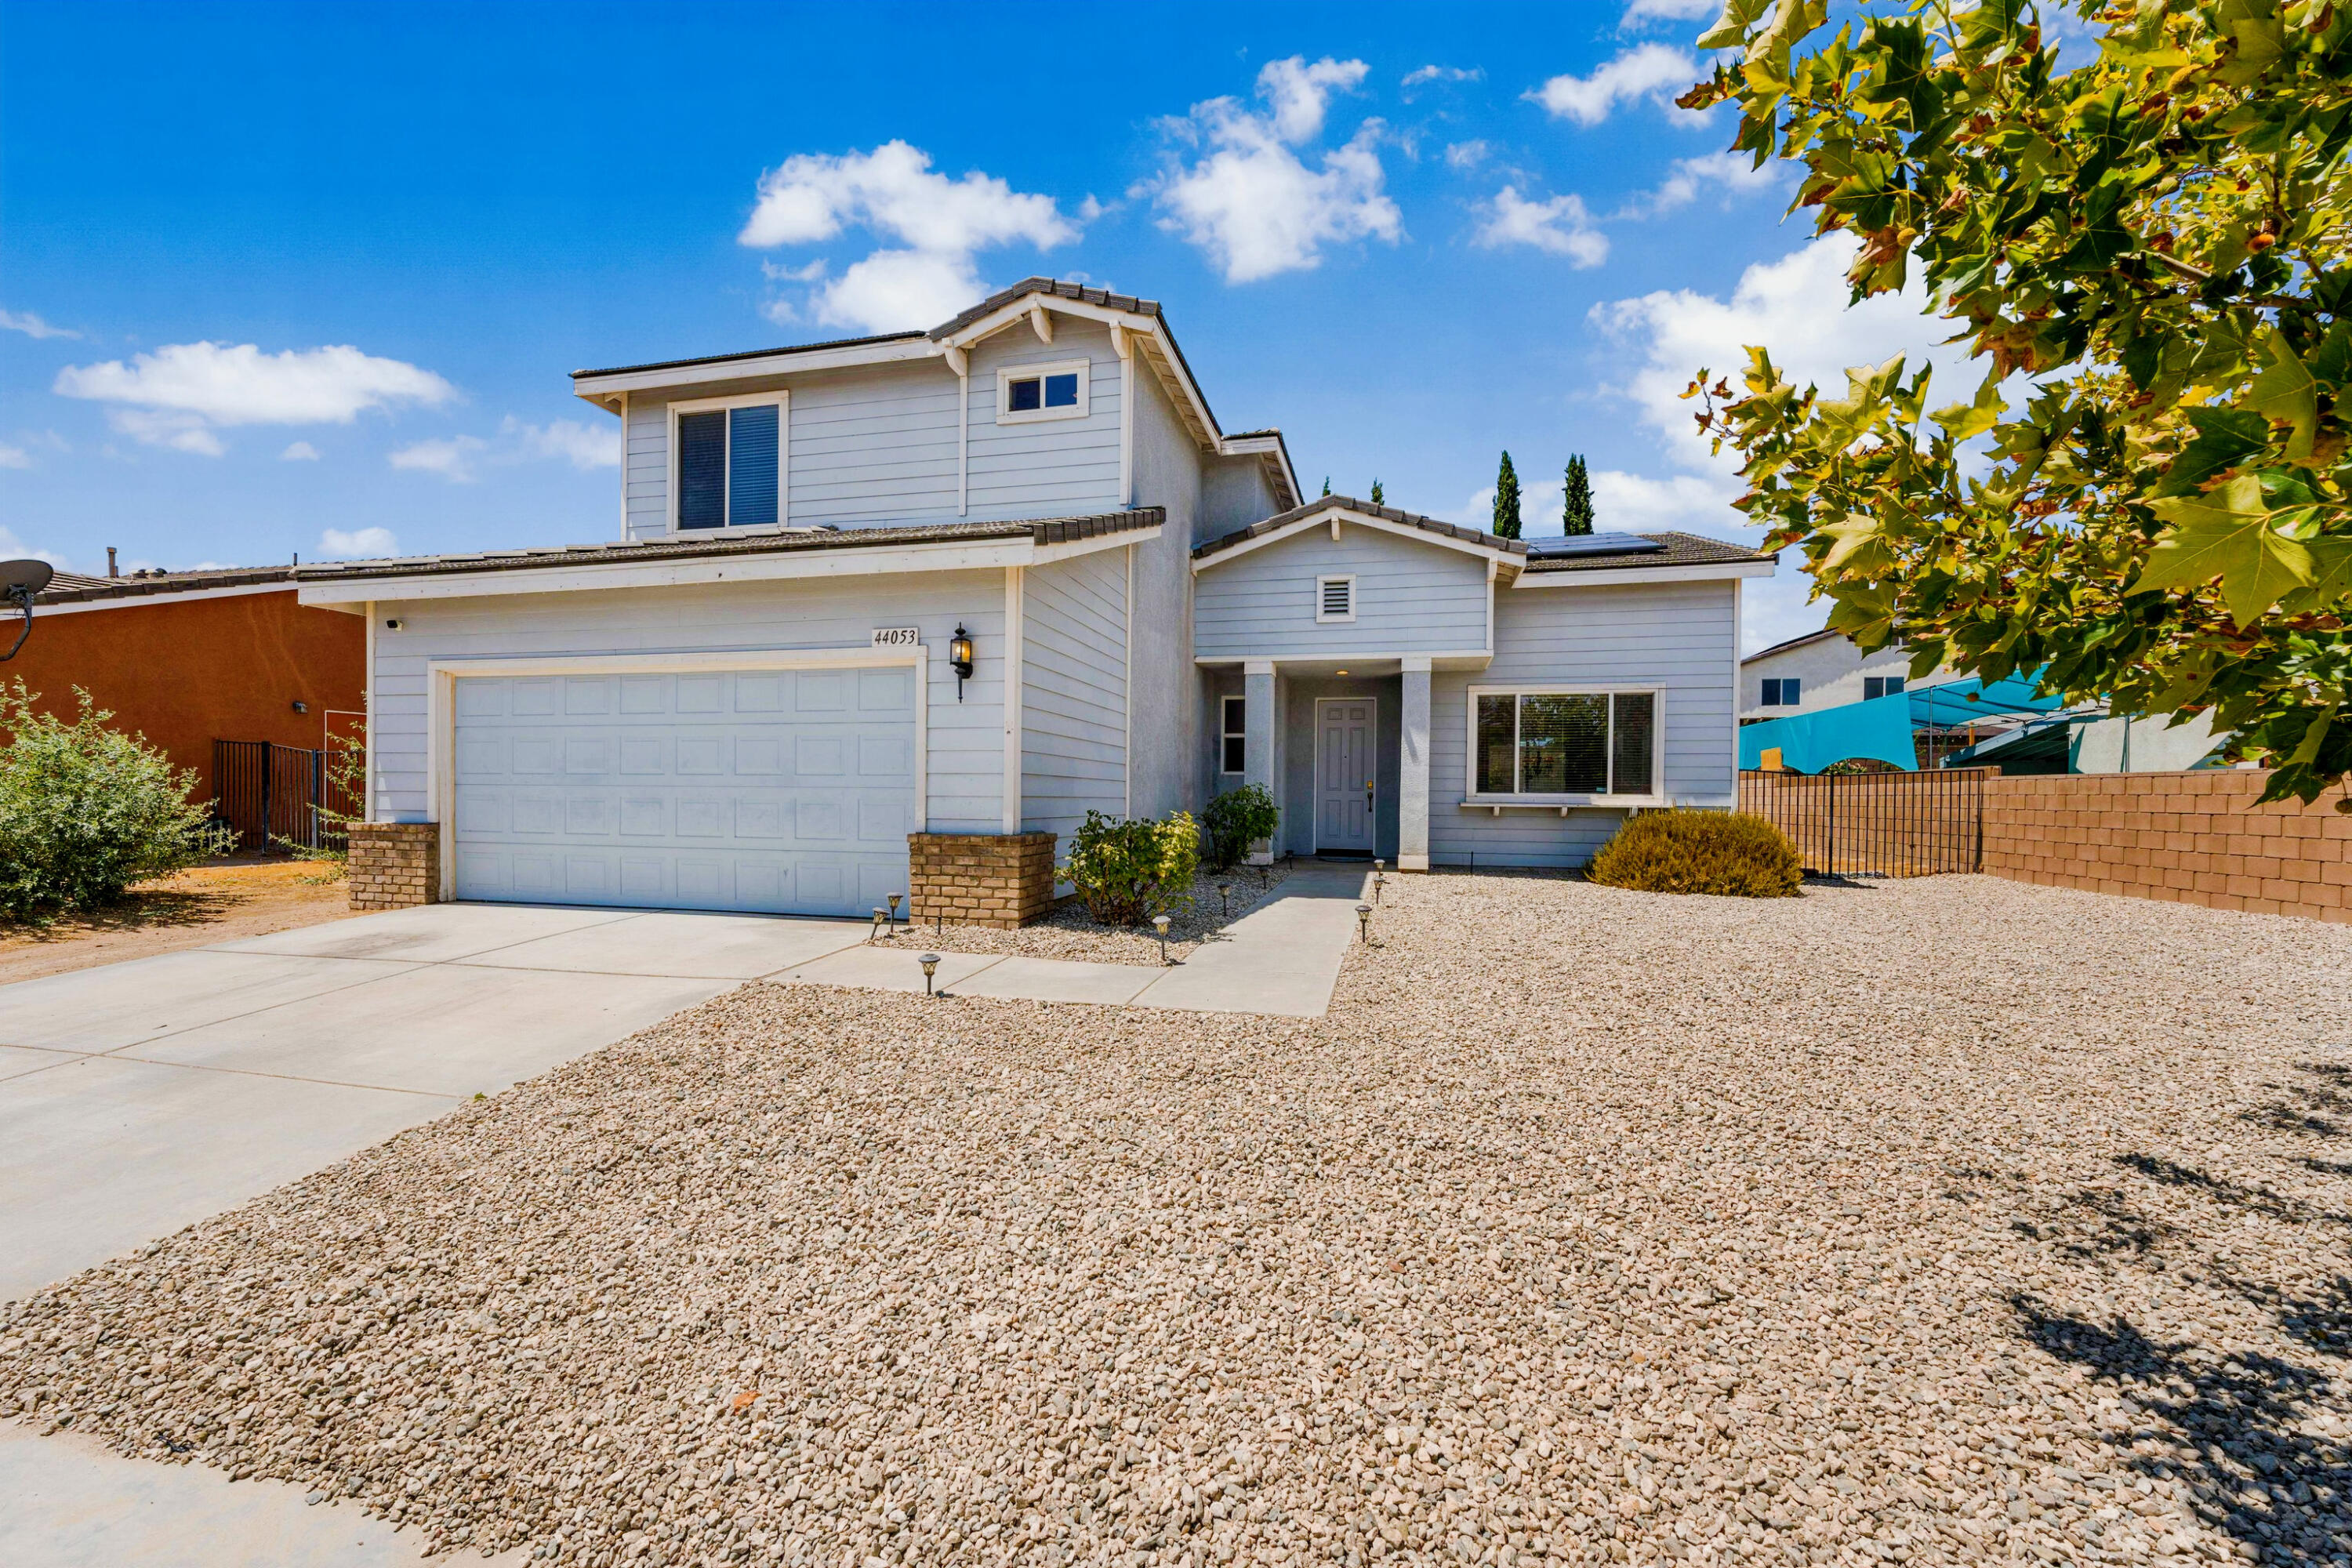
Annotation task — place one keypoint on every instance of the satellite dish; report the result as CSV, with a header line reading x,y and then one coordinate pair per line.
x,y
19,581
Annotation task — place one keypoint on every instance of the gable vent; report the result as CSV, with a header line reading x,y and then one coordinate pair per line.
x,y
1337,599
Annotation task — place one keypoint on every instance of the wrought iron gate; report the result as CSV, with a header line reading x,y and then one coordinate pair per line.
x,y
1876,825
270,796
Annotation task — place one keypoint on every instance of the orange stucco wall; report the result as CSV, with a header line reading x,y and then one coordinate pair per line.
x,y
227,668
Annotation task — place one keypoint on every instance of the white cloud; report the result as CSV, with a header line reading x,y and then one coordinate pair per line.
x,y
450,457
178,394
1253,204
1559,227
15,548
31,325
1423,75
300,452
1645,71
365,544
1640,13
1734,174
939,225
15,456
1465,154
583,446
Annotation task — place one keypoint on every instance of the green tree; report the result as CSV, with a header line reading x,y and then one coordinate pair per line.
x,y
2145,498
1377,498
1507,500
1576,504
1326,484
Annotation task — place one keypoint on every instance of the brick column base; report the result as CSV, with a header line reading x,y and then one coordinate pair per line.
x,y
393,864
999,879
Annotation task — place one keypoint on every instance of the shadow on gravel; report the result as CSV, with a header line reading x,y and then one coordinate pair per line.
x,y
2223,1423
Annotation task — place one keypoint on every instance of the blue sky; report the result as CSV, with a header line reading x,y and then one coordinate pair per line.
x,y
309,277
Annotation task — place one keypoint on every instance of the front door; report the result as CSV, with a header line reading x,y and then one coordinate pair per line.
x,y
1343,776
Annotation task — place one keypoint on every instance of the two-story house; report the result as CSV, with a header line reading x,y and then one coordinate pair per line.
x,y
983,579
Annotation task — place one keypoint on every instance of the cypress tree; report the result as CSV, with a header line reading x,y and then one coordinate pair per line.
x,y
1377,498
1326,484
1507,500
1576,508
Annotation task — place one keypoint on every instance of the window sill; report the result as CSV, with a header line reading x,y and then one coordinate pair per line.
x,y
744,530
1562,804
1037,415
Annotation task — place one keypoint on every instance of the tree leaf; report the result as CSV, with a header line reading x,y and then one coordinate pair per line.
x,y
2286,393
2225,437
1731,27
2226,533
1963,421
2308,752
1792,21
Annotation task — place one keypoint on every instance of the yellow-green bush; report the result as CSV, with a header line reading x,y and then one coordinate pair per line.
x,y
1699,852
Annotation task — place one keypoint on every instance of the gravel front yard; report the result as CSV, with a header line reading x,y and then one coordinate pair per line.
x,y
1934,1222
1070,932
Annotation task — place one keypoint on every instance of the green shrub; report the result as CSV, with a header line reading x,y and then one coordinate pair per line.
x,y
86,811
1127,871
1235,820
1699,852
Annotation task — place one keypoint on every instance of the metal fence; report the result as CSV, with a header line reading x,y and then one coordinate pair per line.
x,y
1876,825
272,795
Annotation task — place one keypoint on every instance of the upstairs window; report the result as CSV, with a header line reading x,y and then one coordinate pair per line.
x,y
1783,691
1029,392
731,459
1335,599
1566,742
1878,686
1233,749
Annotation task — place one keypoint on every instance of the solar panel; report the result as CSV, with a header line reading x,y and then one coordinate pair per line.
x,y
1558,546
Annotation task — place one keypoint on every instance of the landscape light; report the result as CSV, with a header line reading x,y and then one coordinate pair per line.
x,y
1224,899
894,907
1364,922
930,963
1159,924
1379,881
874,934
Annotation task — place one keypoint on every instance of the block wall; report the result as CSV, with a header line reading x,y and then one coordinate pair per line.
x,y
393,864
999,879
2188,837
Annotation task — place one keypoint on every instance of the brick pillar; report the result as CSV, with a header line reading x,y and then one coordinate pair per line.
x,y
999,879
393,864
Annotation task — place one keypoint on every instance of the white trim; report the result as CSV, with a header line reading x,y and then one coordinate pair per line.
x,y
367,700
1037,371
1720,572
1225,731
133,600
1126,388
624,412
1015,629
1373,810
962,366
442,675
675,479
557,578
1127,697
1251,665
1566,800
1335,515
1444,658
1039,322
761,367
1323,602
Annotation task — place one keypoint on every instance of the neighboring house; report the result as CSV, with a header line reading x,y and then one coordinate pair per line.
x,y
754,697
190,657
1820,670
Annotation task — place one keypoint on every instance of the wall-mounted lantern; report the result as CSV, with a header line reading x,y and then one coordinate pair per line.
x,y
960,658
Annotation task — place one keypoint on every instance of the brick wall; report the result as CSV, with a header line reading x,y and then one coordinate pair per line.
x,y
999,879
394,864
2188,838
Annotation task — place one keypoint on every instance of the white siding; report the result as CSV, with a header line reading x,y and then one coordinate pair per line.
x,y
1679,637
966,739
1045,468
1166,689
1074,692
1411,597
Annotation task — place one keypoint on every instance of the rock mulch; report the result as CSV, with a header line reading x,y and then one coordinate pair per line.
x,y
1071,932
1943,1222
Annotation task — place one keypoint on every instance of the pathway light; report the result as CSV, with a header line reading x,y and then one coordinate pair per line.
x,y
1159,924
1364,922
880,915
894,907
1224,899
930,963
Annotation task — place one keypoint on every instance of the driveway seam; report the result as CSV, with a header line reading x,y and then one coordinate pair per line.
x,y
331,991
287,1078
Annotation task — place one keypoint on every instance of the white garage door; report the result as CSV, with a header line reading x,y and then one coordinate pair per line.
x,y
782,790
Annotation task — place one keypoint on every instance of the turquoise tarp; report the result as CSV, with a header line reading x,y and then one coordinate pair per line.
x,y
1882,727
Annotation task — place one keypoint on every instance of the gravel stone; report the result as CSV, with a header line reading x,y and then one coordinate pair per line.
x,y
1070,932
1948,1221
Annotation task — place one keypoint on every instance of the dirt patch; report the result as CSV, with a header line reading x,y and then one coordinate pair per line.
x,y
195,909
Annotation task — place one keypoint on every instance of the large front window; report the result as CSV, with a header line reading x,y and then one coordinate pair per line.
x,y
729,465
1567,742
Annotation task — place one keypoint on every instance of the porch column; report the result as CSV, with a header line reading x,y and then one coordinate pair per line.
x,y
1412,768
1257,741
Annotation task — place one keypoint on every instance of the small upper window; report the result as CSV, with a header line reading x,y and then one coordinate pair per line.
x,y
730,464
1335,598
1041,392
1235,736
1783,691
1876,685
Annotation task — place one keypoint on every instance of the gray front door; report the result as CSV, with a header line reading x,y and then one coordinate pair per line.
x,y
1343,774
777,790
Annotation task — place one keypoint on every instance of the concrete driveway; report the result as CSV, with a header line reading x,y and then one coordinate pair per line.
x,y
142,1097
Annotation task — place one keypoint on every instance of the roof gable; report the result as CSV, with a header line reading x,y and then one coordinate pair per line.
x,y
1337,510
